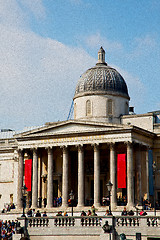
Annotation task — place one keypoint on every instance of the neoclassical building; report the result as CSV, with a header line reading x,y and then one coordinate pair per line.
x,y
105,141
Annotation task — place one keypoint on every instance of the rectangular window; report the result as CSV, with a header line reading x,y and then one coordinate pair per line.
x,y
88,108
110,112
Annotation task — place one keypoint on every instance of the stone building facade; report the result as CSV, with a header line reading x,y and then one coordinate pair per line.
x,y
81,154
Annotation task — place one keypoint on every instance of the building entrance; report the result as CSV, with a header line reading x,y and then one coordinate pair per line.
x,y
55,188
92,192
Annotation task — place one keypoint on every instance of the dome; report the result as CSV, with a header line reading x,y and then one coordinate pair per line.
x,y
101,79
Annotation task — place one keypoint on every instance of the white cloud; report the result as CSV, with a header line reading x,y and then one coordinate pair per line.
x,y
137,90
97,40
143,46
11,14
38,77
35,6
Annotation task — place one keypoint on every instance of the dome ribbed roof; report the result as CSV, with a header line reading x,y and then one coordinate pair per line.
x,y
101,79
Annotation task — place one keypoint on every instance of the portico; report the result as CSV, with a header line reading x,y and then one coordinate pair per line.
x,y
83,163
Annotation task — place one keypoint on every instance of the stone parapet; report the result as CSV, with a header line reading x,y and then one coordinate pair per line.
x,y
92,227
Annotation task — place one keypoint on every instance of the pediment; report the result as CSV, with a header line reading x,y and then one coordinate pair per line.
x,y
69,127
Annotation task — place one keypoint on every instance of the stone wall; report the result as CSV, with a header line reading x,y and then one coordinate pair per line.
x,y
99,110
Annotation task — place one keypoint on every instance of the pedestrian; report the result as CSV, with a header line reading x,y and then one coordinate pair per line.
x,y
38,214
124,212
44,214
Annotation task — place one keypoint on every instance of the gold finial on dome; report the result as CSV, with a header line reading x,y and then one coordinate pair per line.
x,y
101,55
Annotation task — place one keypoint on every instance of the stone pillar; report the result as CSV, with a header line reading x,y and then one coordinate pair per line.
x,y
39,178
139,180
80,176
35,179
113,176
20,178
44,183
96,176
147,172
130,183
50,179
65,178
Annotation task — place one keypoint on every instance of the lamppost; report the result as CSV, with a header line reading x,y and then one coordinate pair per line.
x,y
24,189
154,186
109,187
71,196
24,192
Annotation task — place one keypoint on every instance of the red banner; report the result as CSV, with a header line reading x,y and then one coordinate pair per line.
x,y
121,170
28,174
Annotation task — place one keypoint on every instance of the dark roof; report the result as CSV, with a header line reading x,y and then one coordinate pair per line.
x,y
101,79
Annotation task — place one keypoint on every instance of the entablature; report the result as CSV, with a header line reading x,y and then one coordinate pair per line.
x,y
86,139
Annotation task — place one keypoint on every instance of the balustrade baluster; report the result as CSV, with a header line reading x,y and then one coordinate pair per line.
x,y
130,221
55,222
30,222
86,221
73,221
59,222
82,221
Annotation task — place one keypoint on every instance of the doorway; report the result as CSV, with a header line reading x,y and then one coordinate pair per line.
x,y
92,192
55,188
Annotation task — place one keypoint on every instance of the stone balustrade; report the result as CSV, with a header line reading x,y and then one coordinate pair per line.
x,y
93,226
59,221
153,221
127,221
92,221
38,222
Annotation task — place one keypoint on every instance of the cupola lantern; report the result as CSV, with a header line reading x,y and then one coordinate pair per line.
x,y
101,55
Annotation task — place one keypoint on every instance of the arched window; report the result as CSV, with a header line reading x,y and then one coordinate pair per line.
x,y
110,107
88,108
75,110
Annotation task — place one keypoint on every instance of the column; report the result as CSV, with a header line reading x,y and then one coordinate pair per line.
x,y
139,180
80,176
147,171
35,179
65,178
20,178
113,176
44,183
50,179
39,178
96,176
130,183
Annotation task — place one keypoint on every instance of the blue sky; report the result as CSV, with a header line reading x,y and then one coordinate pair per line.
x,y
47,44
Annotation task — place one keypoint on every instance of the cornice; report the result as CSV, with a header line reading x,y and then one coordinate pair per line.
x,y
138,115
53,125
105,131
